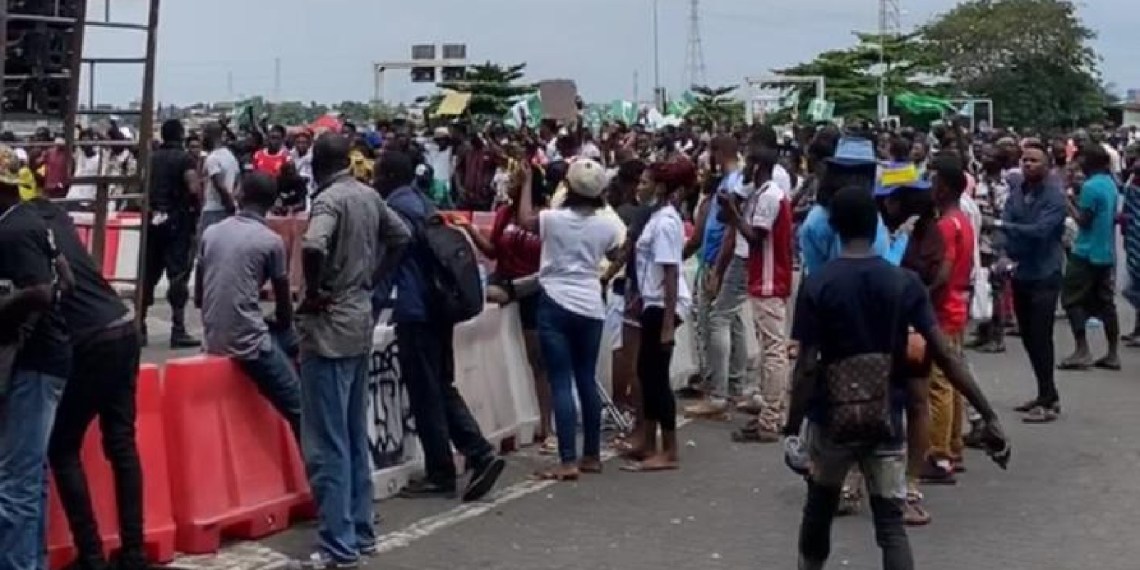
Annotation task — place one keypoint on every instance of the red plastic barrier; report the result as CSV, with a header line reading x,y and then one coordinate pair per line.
x,y
229,458
157,515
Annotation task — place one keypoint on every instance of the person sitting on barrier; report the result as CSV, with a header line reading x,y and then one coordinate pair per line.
x,y
576,237
236,257
353,240
427,354
35,361
105,347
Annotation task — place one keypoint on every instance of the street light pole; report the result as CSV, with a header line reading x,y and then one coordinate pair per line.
x,y
656,57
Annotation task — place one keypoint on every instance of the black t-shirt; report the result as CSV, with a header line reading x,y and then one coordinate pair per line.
x,y
27,257
845,309
92,304
168,190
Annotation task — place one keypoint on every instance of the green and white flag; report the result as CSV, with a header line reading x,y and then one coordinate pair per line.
x,y
624,111
681,106
529,107
820,110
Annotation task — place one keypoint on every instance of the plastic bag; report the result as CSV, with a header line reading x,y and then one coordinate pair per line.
x,y
982,301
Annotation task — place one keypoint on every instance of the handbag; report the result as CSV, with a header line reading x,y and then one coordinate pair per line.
x,y
858,393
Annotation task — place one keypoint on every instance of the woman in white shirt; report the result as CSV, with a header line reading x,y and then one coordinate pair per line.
x,y
663,297
576,238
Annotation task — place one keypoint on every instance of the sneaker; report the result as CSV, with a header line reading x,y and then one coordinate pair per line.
x,y
914,514
425,489
483,478
322,561
369,549
1041,415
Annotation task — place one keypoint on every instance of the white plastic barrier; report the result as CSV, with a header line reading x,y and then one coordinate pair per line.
x,y
492,374
121,247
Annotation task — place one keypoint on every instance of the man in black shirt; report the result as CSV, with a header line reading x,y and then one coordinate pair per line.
x,y
105,348
29,318
169,246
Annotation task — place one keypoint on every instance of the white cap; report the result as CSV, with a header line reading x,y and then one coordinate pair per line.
x,y
586,178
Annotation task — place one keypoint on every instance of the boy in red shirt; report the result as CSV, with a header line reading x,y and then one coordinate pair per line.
x,y
951,301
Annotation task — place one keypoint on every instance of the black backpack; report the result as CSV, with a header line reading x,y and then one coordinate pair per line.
x,y
454,282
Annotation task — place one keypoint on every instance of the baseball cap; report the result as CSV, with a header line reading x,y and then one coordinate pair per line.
x,y
441,133
586,178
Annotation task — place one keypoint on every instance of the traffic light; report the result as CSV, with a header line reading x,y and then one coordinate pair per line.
x,y
423,75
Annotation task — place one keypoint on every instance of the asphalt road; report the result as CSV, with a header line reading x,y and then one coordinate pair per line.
x,y
1068,501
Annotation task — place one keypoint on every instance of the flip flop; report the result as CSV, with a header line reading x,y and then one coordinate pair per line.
x,y
1069,364
553,476
641,467
590,469
1107,364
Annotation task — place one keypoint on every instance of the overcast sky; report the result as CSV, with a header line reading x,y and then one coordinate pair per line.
x,y
325,47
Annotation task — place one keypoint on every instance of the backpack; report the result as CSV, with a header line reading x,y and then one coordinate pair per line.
x,y
453,279
858,394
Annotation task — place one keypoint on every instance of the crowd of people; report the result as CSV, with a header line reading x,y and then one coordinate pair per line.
x,y
815,234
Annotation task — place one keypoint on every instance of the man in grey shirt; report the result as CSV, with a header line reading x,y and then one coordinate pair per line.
x,y
236,257
353,240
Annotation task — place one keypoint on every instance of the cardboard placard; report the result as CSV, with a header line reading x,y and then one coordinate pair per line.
x,y
559,99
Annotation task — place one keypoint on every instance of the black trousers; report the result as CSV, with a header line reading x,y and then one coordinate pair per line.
x,y
102,385
653,361
1034,305
427,368
169,250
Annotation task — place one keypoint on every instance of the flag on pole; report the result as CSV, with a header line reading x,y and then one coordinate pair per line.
x,y
922,104
681,106
527,110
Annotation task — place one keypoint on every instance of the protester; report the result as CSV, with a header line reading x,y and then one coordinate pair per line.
x,y
169,245
301,155
427,351
352,239
270,159
1088,289
991,195
839,320
32,325
1032,224
103,382
517,253
575,238
1131,231
236,258
664,298
765,230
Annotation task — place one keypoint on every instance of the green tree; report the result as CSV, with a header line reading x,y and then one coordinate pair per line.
x,y
853,74
715,106
493,88
1033,58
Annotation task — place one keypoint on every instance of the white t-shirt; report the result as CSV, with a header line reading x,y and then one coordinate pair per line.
x,y
573,246
304,165
974,214
440,161
84,166
220,160
661,243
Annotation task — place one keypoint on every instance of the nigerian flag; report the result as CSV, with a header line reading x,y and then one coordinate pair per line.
x,y
529,108
624,111
921,104
681,106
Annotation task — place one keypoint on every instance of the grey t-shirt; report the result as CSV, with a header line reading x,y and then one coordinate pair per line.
x,y
238,256
353,226
220,161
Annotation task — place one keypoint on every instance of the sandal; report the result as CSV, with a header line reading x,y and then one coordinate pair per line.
x,y
549,446
913,512
850,501
653,464
557,474
1108,363
1075,363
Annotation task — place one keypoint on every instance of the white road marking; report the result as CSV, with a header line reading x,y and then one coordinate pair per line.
x,y
253,556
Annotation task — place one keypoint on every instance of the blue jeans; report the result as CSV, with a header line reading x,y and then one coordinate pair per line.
x,y
334,437
26,420
276,379
570,344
